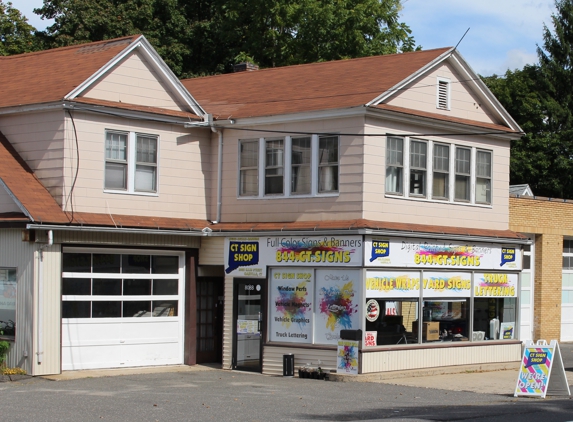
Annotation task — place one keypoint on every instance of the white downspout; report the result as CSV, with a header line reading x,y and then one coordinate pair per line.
x,y
40,351
219,173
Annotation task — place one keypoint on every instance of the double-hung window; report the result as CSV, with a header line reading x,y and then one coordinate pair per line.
x,y
130,162
249,171
418,158
441,172
301,177
394,165
463,174
437,171
289,166
483,177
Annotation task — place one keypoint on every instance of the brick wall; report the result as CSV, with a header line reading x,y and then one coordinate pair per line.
x,y
549,220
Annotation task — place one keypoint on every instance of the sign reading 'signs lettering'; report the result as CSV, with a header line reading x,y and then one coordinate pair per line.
x,y
432,253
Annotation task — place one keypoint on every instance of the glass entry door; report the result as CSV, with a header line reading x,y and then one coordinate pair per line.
x,y
248,318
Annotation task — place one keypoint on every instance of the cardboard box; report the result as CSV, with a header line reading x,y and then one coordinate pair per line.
x,y
430,330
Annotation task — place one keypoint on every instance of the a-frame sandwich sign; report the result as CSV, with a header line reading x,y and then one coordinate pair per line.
x,y
540,364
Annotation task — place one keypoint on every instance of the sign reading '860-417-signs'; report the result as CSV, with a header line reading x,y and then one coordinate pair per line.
x,y
250,256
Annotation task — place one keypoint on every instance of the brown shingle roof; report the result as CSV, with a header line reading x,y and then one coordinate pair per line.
x,y
49,75
136,107
309,87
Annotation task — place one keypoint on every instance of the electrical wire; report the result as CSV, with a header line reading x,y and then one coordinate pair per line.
x,y
70,196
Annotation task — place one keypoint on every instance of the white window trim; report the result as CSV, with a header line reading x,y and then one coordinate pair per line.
x,y
448,93
131,164
429,173
314,142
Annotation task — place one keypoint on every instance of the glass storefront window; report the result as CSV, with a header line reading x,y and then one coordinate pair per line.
x,y
391,321
8,289
495,318
445,320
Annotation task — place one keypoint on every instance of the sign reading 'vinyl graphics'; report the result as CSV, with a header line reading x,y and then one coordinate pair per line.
x,y
249,257
427,253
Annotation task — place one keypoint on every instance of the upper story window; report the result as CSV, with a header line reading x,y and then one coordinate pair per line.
x,y
290,166
418,158
130,162
443,94
430,173
394,164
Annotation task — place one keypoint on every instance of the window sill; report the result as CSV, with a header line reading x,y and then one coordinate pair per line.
x,y
274,197
124,192
437,201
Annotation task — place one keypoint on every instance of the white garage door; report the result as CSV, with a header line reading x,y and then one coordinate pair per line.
x,y
121,308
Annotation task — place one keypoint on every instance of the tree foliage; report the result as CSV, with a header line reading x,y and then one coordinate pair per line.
x,y
197,37
16,34
540,98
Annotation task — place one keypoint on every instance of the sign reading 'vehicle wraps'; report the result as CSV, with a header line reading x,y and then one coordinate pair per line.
x,y
250,256
427,253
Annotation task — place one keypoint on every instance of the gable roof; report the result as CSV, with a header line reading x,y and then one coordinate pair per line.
x,y
64,73
307,87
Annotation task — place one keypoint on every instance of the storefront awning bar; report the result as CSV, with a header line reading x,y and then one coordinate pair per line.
x,y
191,232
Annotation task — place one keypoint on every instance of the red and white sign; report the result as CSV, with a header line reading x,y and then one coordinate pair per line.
x,y
372,310
370,338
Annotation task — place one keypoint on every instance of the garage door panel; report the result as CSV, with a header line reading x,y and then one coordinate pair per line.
x,y
91,356
151,354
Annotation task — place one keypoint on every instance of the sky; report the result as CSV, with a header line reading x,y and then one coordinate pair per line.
x,y
503,34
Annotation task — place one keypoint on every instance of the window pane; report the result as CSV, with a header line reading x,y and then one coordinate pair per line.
x,y
106,287
8,294
462,188
116,146
394,151
249,154
301,159
165,308
76,309
486,311
395,321
441,158
164,264
137,309
76,286
483,191
463,159
77,263
136,264
165,287
526,262
145,178
146,149
445,320
106,309
418,182
328,179
275,153
440,186
106,263
483,166
136,287
328,150
418,154
115,176
249,183
394,180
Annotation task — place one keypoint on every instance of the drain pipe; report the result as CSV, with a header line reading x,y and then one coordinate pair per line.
x,y
219,131
40,351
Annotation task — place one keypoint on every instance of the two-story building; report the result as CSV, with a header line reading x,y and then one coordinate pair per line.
x,y
236,218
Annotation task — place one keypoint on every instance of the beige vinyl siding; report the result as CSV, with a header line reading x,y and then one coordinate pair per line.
x,y
399,360
422,95
183,161
379,207
24,257
345,205
39,139
273,359
212,250
134,81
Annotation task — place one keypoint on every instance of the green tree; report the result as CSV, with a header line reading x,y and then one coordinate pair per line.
x,y
540,98
16,34
198,37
